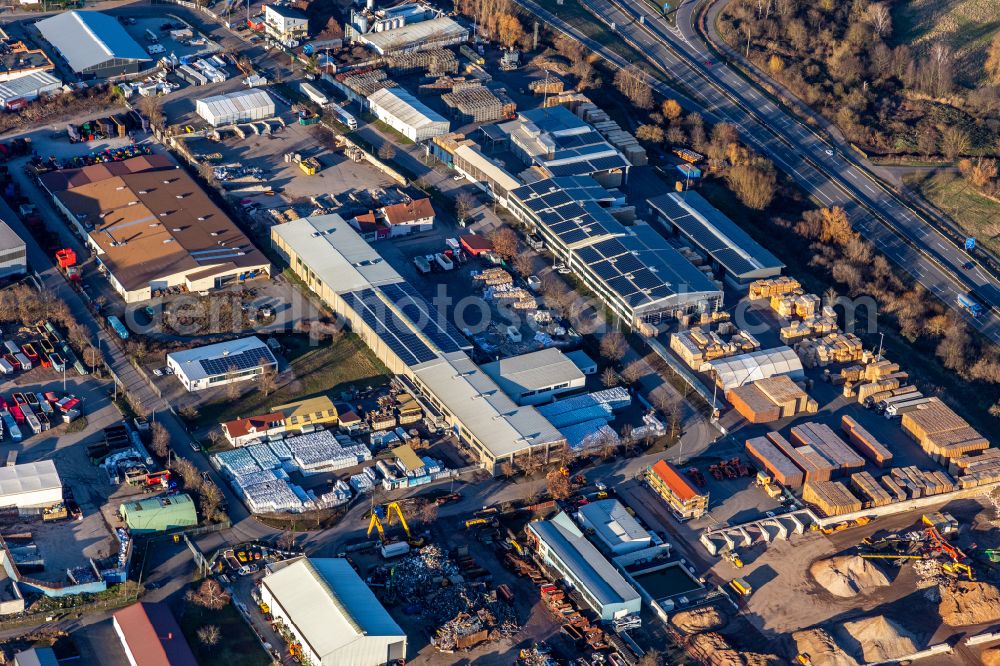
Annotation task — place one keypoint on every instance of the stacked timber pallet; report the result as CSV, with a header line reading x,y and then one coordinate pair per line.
x,y
825,441
797,305
770,399
778,286
832,348
696,346
941,432
433,61
976,470
865,390
831,497
898,494
800,329
868,487
479,104
865,442
770,458
814,466
366,82
921,483
879,369
550,85
615,135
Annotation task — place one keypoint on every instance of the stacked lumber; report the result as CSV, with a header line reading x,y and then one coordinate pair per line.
x,y
753,404
785,393
797,305
825,441
774,287
865,442
879,396
868,487
898,493
809,326
832,348
880,369
852,373
814,466
941,432
976,470
775,462
920,483
831,497
697,346
864,391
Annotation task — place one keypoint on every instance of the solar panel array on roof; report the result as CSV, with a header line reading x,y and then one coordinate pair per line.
x,y
403,342
236,362
716,234
438,329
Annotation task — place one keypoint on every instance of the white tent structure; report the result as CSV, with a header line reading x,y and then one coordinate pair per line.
x,y
236,107
745,368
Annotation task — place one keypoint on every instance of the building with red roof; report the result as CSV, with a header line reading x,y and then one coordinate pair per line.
x,y
240,432
684,499
409,217
474,244
151,636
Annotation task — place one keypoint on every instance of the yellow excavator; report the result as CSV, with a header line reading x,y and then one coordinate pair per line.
x,y
381,517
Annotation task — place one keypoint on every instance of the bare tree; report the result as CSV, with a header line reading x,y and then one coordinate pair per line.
x,y
954,142
268,379
633,372
558,485
386,151
753,185
233,387
209,634
524,264
159,440
879,17
633,83
211,500
609,377
92,357
286,541
149,106
465,203
507,469
504,242
613,346
209,595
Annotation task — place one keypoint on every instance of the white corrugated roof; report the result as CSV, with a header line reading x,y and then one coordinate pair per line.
x,y
494,171
433,31
88,39
238,102
745,368
329,604
27,478
407,108
27,85
613,523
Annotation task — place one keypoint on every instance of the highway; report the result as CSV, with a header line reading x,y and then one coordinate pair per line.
x,y
826,174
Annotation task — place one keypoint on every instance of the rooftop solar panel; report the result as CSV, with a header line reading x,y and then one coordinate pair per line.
x,y
236,362
410,349
425,318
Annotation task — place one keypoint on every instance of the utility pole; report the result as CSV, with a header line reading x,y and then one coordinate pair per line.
x,y
535,42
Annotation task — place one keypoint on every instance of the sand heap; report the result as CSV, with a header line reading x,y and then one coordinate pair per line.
x,y
848,575
991,657
718,652
821,648
880,639
965,603
699,619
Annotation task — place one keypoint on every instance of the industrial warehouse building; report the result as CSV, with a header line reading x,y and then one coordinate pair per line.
x,y
159,514
13,252
414,341
150,636
559,143
404,113
235,107
430,34
94,44
332,613
30,487
222,363
633,269
564,548
16,92
698,223
153,228
536,377
614,527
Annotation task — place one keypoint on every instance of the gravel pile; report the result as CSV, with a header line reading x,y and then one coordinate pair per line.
x,y
698,620
880,639
848,576
964,603
821,648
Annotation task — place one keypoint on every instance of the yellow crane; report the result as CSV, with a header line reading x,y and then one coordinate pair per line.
x,y
382,517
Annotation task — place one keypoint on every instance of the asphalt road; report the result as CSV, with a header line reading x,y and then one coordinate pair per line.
x,y
721,94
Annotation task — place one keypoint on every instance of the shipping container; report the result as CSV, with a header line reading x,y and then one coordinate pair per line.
x,y
23,361
11,347
396,549
310,91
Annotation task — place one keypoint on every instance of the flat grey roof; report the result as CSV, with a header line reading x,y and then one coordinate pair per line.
x,y
714,233
88,39
613,523
9,238
533,371
336,253
599,576
28,478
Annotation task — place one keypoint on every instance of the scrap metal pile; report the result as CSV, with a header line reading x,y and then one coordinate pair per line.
x,y
465,614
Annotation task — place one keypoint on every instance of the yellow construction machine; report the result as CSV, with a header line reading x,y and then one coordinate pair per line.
x,y
958,569
381,517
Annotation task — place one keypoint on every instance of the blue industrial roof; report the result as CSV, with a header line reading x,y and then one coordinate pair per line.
x,y
714,233
89,39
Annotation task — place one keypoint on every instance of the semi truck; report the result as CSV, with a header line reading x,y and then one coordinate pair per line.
x,y
310,91
900,408
889,402
343,116
971,305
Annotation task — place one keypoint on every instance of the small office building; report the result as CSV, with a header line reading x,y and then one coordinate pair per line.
x,y
285,23
680,495
240,432
309,413
222,363
617,530
536,377
564,548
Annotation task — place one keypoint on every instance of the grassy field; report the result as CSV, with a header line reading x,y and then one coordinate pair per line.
x,y
966,25
238,644
977,215
326,368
